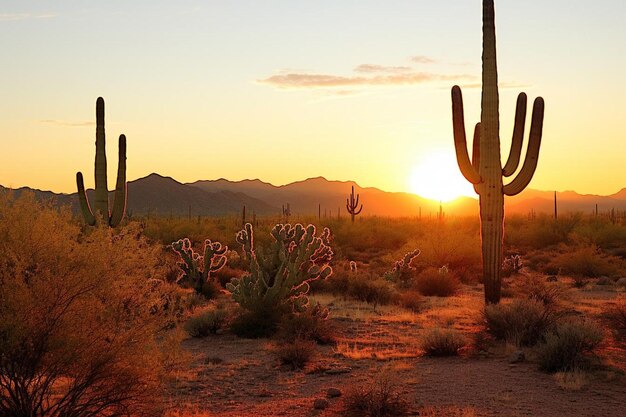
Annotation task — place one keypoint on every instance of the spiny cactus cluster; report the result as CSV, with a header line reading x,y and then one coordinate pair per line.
x,y
114,217
403,271
280,275
196,268
352,205
485,169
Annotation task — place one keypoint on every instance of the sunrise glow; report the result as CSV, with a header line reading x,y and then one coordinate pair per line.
x,y
437,177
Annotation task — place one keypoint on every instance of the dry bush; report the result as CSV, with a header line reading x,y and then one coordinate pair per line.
x,y
568,346
442,342
437,282
311,324
296,354
535,287
371,290
208,322
586,262
411,300
522,322
80,315
381,398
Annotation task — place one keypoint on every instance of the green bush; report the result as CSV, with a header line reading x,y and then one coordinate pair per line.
x,y
522,322
437,282
568,346
442,342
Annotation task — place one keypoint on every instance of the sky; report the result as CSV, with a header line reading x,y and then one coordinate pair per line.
x,y
284,90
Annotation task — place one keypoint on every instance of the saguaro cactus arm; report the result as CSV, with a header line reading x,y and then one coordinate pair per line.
x,y
469,171
518,137
119,202
532,154
84,202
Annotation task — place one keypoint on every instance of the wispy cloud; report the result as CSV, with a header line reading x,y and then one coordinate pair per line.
x,y
370,68
309,81
12,17
422,59
66,123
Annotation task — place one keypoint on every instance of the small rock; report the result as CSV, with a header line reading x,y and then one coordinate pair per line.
x,y
604,280
321,404
621,282
552,278
333,393
517,357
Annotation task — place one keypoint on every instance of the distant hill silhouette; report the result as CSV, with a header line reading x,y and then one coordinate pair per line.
x,y
163,196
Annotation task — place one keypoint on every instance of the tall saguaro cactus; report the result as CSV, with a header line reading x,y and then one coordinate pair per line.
x,y
101,204
485,170
351,205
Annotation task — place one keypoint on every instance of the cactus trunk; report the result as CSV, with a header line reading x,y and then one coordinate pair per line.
x,y
485,170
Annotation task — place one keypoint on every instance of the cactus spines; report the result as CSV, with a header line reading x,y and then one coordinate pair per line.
x,y
196,268
352,204
485,170
101,204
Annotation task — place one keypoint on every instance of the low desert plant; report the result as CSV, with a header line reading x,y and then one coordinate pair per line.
x,y
511,265
296,353
411,300
381,398
439,282
586,262
311,324
371,290
568,345
522,322
206,323
442,342
535,287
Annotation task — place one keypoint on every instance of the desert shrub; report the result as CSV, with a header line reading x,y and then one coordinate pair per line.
x,y
512,265
381,398
616,317
586,262
280,275
403,272
411,300
296,353
568,345
535,287
522,322
196,269
442,342
371,290
81,312
311,324
437,282
207,322
251,325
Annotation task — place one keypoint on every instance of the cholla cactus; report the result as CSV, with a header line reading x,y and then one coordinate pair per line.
x,y
196,268
403,271
511,265
279,276
353,267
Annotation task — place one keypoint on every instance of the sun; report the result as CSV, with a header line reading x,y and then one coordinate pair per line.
x,y
436,176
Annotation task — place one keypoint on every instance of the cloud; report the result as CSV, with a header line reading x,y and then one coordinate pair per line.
x,y
369,68
12,17
312,81
66,123
421,59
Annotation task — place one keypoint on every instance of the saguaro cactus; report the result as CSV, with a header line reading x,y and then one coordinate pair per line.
x,y
485,170
115,216
351,205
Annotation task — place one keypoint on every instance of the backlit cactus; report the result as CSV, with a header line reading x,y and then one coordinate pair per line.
x,y
403,270
196,268
352,205
101,205
280,275
484,170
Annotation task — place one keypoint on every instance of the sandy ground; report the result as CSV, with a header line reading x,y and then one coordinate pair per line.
x,y
229,376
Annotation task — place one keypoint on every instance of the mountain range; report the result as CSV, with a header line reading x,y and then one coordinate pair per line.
x,y
164,196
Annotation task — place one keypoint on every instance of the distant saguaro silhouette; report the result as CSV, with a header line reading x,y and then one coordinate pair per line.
x,y
485,169
101,204
351,205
